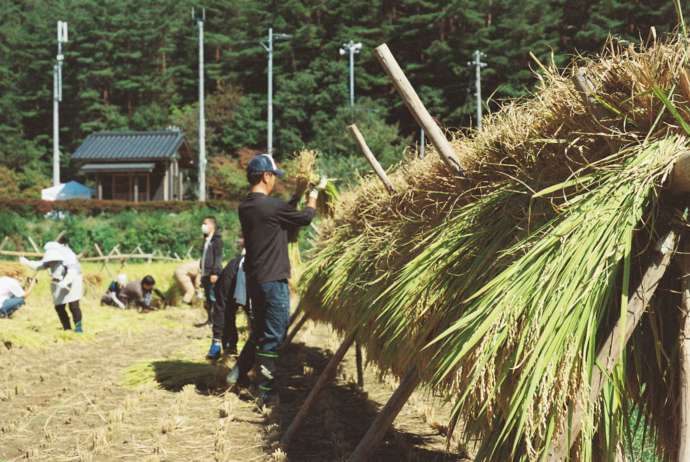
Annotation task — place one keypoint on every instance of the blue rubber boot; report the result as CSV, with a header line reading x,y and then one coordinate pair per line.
x,y
214,352
77,328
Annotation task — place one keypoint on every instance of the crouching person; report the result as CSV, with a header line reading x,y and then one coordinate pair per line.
x,y
187,277
13,295
66,282
139,293
113,294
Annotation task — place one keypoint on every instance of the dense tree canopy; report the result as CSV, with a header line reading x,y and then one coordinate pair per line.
x,y
132,64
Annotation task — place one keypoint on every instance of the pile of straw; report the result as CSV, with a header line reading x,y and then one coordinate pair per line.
x,y
12,270
500,286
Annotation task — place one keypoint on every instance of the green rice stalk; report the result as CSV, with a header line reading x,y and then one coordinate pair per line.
x,y
533,329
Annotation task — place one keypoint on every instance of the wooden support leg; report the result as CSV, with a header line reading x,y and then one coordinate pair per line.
x,y
611,351
385,418
326,376
360,365
684,361
294,315
295,329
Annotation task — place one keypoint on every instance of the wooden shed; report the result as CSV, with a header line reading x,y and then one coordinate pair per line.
x,y
136,166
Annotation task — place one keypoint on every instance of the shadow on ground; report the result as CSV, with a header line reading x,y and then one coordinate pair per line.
x,y
173,375
341,416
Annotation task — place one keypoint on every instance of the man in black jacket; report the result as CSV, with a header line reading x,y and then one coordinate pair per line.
x,y
265,224
211,264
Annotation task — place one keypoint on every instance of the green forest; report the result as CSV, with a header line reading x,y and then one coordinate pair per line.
x,y
132,64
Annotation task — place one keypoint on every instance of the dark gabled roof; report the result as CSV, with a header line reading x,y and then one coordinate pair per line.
x,y
129,146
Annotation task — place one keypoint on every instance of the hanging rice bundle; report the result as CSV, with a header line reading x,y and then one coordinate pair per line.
x,y
501,286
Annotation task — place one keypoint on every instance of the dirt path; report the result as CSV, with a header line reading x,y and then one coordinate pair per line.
x,y
72,402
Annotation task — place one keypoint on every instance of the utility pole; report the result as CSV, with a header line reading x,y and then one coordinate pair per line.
x,y
351,48
202,109
268,46
478,65
57,98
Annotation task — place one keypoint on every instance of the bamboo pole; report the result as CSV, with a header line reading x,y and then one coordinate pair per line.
x,y
326,376
370,157
293,332
359,363
18,253
385,418
684,358
612,349
33,244
416,107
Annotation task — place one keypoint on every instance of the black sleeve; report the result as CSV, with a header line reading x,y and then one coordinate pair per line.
x,y
289,216
217,264
294,200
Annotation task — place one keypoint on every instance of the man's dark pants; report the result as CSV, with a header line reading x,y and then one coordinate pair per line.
x,y
224,318
210,294
270,308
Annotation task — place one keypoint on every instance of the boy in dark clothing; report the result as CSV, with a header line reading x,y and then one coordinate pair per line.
x,y
266,222
231,293
211,265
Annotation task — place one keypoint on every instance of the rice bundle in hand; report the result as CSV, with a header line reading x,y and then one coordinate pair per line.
x,y
303,170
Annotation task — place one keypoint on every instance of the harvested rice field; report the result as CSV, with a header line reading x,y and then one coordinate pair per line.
x,y
135,387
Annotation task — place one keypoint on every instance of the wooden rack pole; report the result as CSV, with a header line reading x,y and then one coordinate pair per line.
x,y
370,157
385,418
326,376
611,350
416,107
684,357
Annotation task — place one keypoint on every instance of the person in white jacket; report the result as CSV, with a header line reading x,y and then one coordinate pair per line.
x,y
66,284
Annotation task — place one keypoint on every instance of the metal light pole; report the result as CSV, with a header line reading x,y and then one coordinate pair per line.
x,y
351,48
57,98
268,46
202,109
478,65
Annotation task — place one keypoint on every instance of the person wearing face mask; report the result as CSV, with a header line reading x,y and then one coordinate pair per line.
x,y
66,284
210,267
266,223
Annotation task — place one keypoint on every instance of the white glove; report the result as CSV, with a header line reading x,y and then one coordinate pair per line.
x,y
322,183
31,264
314,194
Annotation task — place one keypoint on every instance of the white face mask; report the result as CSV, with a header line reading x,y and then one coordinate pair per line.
x,y
204,229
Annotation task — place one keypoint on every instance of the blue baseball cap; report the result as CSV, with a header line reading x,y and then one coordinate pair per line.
x,y
264,163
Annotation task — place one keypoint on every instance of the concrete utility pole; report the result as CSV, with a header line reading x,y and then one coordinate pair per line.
x,y
478,65
202,109
351,48
268,46
57,98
